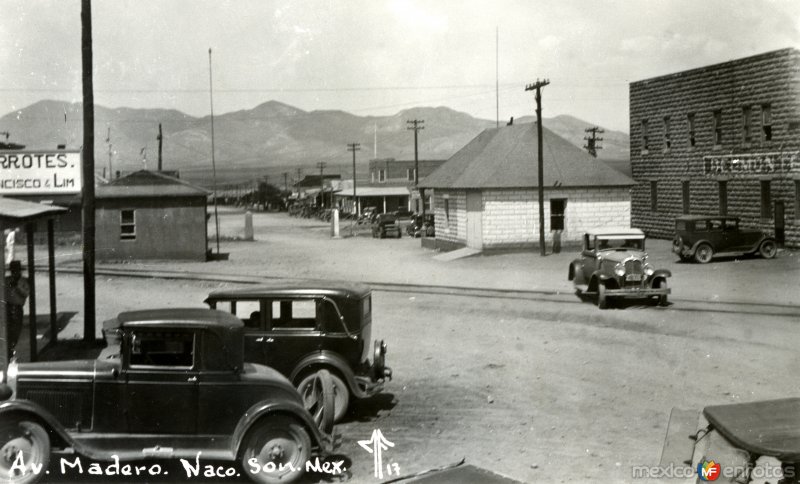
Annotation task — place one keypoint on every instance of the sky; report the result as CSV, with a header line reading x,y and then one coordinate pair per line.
x,y
377,57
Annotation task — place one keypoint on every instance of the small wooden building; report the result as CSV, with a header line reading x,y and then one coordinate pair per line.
x,y
149,215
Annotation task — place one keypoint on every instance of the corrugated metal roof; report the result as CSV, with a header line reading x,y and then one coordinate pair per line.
x,y
506,157
20,210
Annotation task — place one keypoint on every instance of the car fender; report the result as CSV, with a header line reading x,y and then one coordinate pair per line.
x,y
761,241
330,360
34,411
576,272
701,241
661,273
266,408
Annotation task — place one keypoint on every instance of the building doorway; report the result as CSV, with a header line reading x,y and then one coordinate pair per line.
x,y
474,220
780,223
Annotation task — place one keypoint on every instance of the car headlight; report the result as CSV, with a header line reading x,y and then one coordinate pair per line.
x,y
648,269
619,269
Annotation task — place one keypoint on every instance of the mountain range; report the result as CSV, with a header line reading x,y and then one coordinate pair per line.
x,y
270,139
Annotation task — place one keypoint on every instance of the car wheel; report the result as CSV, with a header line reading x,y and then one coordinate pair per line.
x,y
23,442
703,254
662,298
602,300
280,447
768,249
317,392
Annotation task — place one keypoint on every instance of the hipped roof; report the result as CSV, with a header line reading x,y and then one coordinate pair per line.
x,y
144,183
506,157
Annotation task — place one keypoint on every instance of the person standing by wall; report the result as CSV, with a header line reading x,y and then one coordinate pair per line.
x,y
17,290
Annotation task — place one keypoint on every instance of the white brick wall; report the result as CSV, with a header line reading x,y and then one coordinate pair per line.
x,y
510,216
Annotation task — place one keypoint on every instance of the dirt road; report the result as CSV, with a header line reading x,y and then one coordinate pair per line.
x,y
537,390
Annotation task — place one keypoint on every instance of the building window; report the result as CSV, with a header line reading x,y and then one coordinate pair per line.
x,y
654,196
687,197
447,209
557,208
127,225
372,177
692,138
723,197
412,174
667,134
747,119
717,128
766,121
645,145
381,176
766,199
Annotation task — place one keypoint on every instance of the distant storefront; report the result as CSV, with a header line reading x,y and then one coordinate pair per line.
x,y
147,215
722,139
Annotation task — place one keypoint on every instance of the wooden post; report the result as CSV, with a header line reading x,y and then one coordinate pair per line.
x,y
5,350
87,174
29,229
51,260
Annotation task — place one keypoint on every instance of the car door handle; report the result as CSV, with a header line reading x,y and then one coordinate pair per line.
x,y
262,339
192,379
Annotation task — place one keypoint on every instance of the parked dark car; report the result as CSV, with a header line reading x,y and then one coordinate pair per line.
x,y
702,237
614,264
299,327
172,383
421,225
385,225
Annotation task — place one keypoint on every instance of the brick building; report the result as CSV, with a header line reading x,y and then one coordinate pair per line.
x,y
485,196
721,139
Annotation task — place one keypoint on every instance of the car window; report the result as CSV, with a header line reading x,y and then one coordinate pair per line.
x,y
173,349
684,225
730,224
293,314
249,311
715,225
620,243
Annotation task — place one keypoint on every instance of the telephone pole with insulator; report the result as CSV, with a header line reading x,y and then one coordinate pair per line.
x,y
537,86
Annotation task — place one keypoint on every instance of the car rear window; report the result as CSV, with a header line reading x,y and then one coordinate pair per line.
x,y
684,225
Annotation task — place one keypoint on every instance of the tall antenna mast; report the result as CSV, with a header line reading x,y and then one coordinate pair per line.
x,y
375,144
497,72
213,161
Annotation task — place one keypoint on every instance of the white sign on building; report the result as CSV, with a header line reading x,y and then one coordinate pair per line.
x,y
40,172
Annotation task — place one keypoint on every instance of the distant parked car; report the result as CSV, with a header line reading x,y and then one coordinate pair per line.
x,y
420,226
301,327
385,225
614,264
172,383
703,237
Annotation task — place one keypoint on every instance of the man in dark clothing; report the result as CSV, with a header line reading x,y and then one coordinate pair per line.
x,y
17,290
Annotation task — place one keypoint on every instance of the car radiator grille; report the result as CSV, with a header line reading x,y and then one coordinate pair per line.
x,y
633,267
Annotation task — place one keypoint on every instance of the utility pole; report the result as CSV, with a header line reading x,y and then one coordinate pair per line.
x,y
108,140
87,173
213,161
416,125
321,165
354,147
537,86
592,141
160,138
285,181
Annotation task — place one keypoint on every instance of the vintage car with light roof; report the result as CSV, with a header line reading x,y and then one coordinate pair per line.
x,y
301,326
701,237
172,383
614,264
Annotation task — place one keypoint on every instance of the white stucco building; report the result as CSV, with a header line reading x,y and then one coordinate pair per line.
x,y
485,196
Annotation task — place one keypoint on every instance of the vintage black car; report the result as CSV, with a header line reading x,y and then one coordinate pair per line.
x,y
700,238
172,383
385,225
299,327
614,264
421,225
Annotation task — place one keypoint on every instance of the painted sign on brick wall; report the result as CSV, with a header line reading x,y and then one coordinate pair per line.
x,y
40,172
752,164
